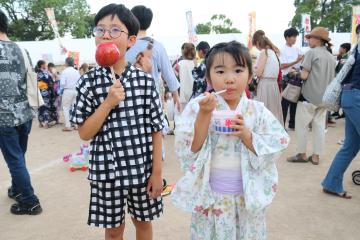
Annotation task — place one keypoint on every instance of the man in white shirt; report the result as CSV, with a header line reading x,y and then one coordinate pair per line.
x,y
68,80
290,59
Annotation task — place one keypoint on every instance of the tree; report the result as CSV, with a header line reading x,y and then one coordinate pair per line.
x,y
333,14
28,20
219,24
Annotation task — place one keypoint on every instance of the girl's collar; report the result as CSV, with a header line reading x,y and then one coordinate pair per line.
x,y
240,108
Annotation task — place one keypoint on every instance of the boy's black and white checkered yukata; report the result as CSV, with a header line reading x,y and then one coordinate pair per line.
x,y
121,152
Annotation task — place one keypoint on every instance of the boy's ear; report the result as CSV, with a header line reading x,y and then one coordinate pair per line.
x,y
131,40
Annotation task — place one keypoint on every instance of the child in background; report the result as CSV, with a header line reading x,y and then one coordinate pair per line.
x,y
229,179
123,119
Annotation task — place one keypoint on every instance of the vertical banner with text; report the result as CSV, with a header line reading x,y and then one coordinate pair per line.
x,y
306,26
191,29
252,28
354,23
52,21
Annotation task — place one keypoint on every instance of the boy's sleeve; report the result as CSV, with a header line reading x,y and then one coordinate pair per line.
x,y
269,138
308,59
167,70
83,106
156,112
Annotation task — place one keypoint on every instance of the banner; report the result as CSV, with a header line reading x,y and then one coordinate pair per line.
x,y
75,56
252,28
52,21
191,29
306,26
354,23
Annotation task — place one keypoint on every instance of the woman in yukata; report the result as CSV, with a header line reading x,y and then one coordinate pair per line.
x,y
229,178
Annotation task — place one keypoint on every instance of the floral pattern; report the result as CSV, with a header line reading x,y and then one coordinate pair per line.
x,y
219,216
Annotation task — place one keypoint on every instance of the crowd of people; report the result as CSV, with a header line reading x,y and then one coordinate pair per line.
x,y
229,179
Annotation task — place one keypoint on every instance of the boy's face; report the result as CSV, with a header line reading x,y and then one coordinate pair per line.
x,y
291,40
123,42
226,74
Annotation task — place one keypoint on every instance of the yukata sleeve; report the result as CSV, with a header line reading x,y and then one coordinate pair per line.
x,y
83,106
156,111
269,138
184,134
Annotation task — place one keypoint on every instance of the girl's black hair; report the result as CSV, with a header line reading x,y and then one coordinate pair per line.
x,y
123,13
238,51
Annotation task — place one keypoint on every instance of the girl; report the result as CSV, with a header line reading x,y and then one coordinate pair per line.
x,y
229,179
185,73
267,70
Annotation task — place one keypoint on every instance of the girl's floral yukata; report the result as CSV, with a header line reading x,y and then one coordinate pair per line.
x,y
218,216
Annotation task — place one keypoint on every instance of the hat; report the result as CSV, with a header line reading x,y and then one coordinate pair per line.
x,y
319,32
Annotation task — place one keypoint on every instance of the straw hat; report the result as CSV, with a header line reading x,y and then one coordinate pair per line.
x,y
319,32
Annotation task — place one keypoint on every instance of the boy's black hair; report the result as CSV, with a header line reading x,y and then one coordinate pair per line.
x,y
50,64
69,61
357,29
291,32
123,13
4,25
238,51
144,15
346,46
203,46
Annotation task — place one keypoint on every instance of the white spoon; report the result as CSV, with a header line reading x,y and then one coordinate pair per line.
x,y
201,97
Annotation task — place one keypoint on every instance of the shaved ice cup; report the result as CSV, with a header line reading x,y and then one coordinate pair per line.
x,y
222,120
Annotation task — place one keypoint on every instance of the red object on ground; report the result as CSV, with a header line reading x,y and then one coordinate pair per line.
x,y
107,54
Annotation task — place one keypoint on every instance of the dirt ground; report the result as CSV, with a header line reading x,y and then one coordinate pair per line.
x,y
300,210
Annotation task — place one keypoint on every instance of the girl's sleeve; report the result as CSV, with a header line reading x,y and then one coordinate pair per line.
x,y
184,134
83,106
269,138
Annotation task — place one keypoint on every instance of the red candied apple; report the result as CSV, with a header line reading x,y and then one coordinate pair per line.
x,y
107,54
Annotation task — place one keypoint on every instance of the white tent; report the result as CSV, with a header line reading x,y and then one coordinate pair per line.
x,y
86,47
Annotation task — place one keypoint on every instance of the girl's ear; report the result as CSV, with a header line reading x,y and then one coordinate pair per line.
x,y
131,41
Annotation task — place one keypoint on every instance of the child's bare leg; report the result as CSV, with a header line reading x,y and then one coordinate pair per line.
x,y
143,230
115,233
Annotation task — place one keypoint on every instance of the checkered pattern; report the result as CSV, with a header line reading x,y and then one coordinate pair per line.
x,y
108,202
122,149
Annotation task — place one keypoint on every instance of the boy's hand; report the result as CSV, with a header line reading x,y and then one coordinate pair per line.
x,y
240,130
208,104
155,186
116,94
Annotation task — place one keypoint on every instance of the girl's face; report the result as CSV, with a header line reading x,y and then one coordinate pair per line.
x,y
226,74
123,42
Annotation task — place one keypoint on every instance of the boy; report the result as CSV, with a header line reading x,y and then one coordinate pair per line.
x,y
290,58
123,117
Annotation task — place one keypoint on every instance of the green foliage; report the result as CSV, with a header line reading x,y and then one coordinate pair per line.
x,y
28,20
219,24
333,14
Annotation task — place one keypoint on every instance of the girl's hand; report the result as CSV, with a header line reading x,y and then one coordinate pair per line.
x,y
239,125
208,104
155,186
116,94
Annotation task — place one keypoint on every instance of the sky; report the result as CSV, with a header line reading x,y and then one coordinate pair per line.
x,y
170,15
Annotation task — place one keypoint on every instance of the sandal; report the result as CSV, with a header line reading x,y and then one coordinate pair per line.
x,y
310,159
22,209
297,159
66,129
344,194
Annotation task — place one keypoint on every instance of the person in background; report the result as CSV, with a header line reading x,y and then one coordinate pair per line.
x,y
185,73
350,103
318,69
57,89
267,70
199,72
84,68
161,65
68,80
47,114
15,124
290,58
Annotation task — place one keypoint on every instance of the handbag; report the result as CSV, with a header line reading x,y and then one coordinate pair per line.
x,y
291,93
332,95
33,92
